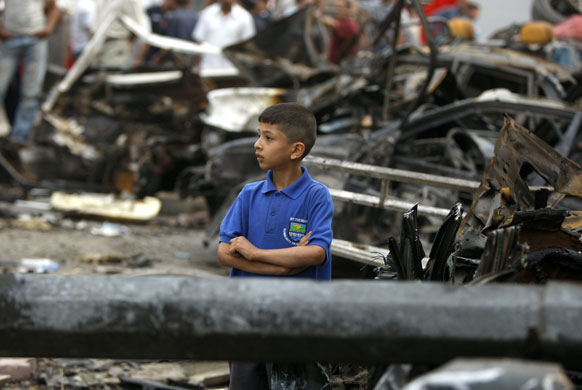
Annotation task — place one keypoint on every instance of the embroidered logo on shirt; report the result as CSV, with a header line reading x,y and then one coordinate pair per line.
x,y
297,229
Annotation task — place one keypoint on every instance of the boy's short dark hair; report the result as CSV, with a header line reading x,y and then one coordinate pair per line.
x,y
295,121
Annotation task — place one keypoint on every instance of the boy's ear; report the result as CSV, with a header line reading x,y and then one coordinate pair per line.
x,y
297,150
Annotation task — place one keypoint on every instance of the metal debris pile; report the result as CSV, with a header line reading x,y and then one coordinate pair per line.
x,y
513,231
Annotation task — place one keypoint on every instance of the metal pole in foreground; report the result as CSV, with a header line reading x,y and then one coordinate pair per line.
x,y
345,321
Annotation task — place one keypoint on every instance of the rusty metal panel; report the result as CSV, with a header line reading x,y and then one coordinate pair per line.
x,y
517,149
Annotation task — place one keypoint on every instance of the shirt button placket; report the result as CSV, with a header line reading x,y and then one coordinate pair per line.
x,y
275,204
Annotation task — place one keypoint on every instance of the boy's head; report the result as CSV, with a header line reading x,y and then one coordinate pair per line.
x,y
295,121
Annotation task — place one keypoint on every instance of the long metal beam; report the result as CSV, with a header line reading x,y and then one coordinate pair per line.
x,y
285,320
387,204
386,173
399,175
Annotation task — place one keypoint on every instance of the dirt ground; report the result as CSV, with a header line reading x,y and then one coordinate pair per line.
x,y
91,246
155,249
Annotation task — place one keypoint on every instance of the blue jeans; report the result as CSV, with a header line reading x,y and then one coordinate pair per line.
x,y
33,52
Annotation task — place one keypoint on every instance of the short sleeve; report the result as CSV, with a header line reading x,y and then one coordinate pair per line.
x,y
199,32
135,11
87,17
171,26
320,219
248,28
234,225
347,28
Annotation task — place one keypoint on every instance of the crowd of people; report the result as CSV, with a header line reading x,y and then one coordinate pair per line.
x,y
27,24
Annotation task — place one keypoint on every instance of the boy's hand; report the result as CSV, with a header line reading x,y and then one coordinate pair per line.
x,y
243,247
304,240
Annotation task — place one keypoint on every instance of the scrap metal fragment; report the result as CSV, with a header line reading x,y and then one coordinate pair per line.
x,y
266,58
567,142
107,206
411,251
388,204
518,150
443,244
501,249
238,109
477,374
386,173
497,101
143,384
510,222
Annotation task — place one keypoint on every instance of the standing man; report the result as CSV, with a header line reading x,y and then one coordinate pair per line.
x,y
179,22
181,19
117,48
222,24
81,26
25,26
261,15
156,14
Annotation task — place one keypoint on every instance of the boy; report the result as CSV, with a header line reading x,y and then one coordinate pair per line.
x,y
280,226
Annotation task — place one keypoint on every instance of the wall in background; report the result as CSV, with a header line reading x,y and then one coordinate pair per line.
x,y
497,14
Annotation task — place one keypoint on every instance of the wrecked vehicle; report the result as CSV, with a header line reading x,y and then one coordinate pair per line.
x,y
121,147
513,231
554,11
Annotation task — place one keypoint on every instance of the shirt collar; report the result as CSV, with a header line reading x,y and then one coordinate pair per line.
x,y
294,190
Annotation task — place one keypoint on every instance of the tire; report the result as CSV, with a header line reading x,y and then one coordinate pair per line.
x,y
543,10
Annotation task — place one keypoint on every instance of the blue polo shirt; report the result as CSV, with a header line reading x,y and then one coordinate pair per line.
x,y
272,219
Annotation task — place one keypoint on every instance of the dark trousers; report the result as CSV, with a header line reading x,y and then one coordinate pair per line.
x,y
249,376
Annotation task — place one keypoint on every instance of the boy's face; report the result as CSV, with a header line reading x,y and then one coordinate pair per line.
x,y
271,147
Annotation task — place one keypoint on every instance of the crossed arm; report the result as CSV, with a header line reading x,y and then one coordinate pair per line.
x,y
243,255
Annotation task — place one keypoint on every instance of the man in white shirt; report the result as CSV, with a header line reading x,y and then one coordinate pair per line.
x,y
25,26
81,17
222,24
117,48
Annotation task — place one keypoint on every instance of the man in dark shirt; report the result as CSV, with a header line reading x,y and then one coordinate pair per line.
x,y
181,20
156,15
261,15
175,19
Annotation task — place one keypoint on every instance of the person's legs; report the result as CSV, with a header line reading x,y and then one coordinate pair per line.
x,y
12,99
9,54
35,65
246,376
